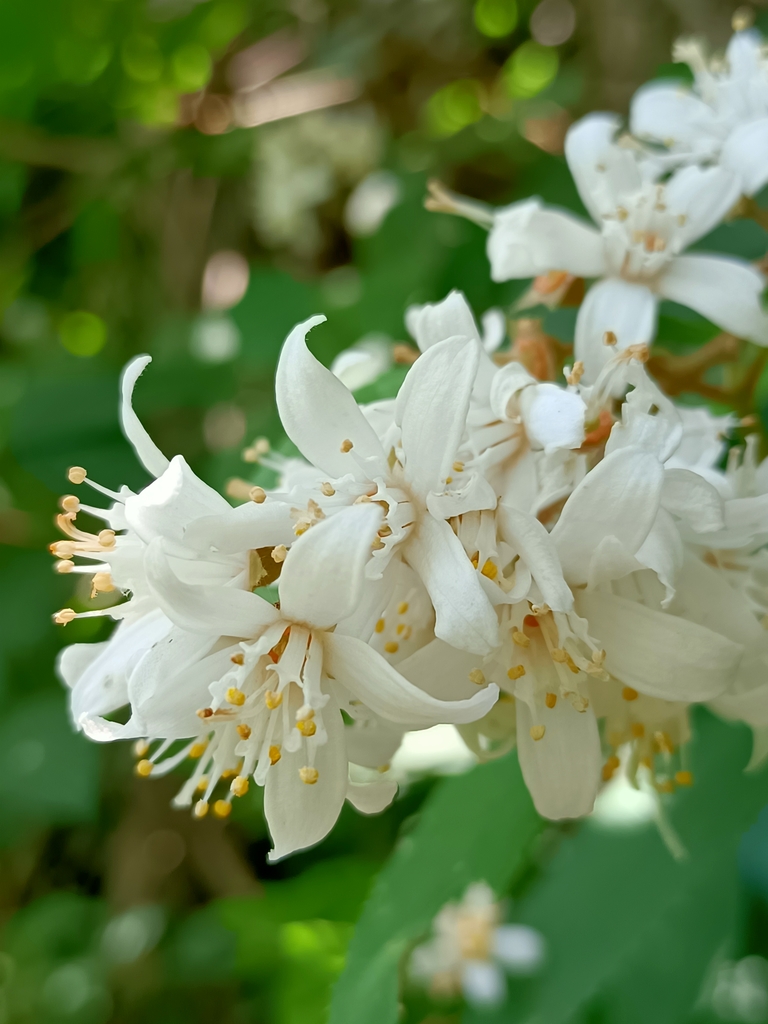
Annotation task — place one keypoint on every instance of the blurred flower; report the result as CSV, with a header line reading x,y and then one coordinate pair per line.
x,y
553,22
215,338
225,280
370,202
364,362
224,426
470,952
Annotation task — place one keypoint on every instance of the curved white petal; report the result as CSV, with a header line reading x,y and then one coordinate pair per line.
x,y
216,611
239,529
322,577
662,551
372,743
553,417
703,195
317,411
669,112
437,321
300,815
148,453
526,536
432,408
628,310
604,173
562,769
618,498
171,502
746,154
689,496
727,291
441,671
371,797
659,654
370,678
518,947
508,382
464,616
483,982
528,239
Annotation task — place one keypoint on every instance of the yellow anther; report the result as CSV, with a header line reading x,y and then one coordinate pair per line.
x,y
229,773
449,480
475,560
346,445
237,659
638,730
629,694
305,711
571,664
279,553
401,628
402,608
537,732
200,809
327,489
70,503
202,784
380,626
244,731
667,786
107,538
458,467
476,676
204,712
550,700
140,748
516,672
743,18
144,768
259,447
235,696
309,775
577,372
274,754
646,762
490,569
684,778
76,474
392,647
559,655
239,786
222,808
65,565
301,527
273,699
306,727
257,494
598,657
62,548
64,616
520,638
101,584
613,761
198,749
607,772
609,338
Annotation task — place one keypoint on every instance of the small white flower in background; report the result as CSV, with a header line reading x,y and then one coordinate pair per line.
x,y
637,250
470,952
722,118
370,202
364,362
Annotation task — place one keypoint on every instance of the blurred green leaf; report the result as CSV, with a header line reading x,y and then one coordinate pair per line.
x,y
475,826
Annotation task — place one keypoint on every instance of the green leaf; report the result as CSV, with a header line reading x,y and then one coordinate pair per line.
x,y
628,926
475,826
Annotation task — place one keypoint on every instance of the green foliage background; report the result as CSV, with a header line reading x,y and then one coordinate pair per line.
x,y
113,907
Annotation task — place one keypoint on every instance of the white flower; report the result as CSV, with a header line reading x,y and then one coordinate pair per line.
x,y
722,119
363,362
277,681
637,250
470,952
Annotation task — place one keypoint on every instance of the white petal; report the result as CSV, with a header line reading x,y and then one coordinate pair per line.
x,y
746,153
526,536
371,679
475,496
659,654
371,742
562,769
726,291
465,617
520,948
494,329
553,417
668,112
662,551
217,611
604,173
508,382
432,410
239,529
441,671
364,362
75,659
169,503
148,453
318,413
437,321
322,577
300,815
528,239
619,498
483,983
690,497
628,310
371,797
704,196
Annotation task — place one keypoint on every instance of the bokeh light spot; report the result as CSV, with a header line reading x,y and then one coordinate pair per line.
x,y
191,66
495,18
530,69
82,333
454,107
142,59
553,22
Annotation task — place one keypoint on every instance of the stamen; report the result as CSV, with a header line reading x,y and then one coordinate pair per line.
x,y
550,700
273,699
516,672
520,638
309,775
64,616
559,655
346,446
238,659
204,712
259,448
144,768
140,748
274,754
65,565
222,808
107,538
306,727
537,732
392,647
684,778
244,731
200,809
577,372
258,494
629,694
490,570
609,338
638,730
279,553
235,696
476,676
380,626
458,467
327,489
402,608
198,749
239,786
70,503
76,474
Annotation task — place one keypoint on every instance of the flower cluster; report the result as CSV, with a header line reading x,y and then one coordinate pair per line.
x,y
564,567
